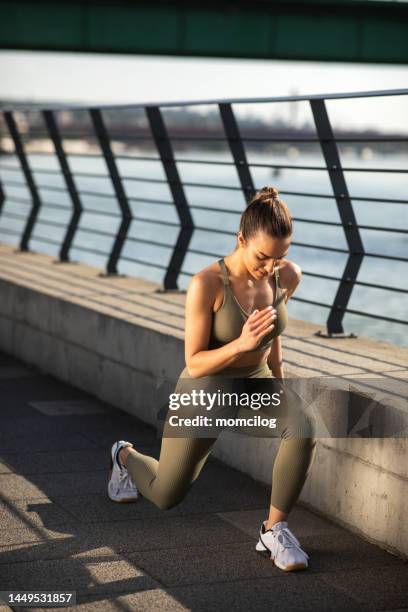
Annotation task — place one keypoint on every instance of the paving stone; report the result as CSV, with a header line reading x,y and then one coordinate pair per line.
x,y
196,564
27,442
301,521
35,513
16,371
152,600
150,534
104,423
13,486
385,588
40,387
161,533
99,508
9,360
137,434
27,543
73,574
54,461
13,409
22,545
292,591
69,407
344,551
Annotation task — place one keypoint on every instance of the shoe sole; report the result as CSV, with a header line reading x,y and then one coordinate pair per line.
x,y
125,500
290,568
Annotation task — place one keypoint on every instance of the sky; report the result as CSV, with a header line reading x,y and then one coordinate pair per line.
x,y
118,79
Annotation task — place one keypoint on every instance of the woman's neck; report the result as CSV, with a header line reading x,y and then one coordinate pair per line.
x,y
239,270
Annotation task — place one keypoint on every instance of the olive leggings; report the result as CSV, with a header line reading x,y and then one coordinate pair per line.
x,y
167,481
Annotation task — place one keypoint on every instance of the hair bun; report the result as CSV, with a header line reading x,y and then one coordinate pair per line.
x,y
269,192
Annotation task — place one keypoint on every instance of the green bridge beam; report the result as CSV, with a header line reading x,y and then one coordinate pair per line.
x,y
335,30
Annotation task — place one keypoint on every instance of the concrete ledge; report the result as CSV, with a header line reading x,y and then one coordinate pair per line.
x,y
117,337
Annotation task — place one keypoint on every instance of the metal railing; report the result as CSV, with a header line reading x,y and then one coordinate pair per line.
x,y
164,142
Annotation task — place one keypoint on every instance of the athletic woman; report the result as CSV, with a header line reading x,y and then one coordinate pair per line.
x,y
235,314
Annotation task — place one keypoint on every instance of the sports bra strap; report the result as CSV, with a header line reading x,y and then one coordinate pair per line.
x,y
277,277
224,271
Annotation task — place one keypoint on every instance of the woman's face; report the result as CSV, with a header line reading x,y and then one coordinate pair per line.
x,y
261,253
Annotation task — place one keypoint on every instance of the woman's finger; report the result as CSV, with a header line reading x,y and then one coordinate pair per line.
x,y
264,322
260,315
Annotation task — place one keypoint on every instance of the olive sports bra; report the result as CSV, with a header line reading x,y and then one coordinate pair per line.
x,y
230,317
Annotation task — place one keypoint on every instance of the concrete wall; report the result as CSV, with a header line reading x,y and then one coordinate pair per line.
x,y
117,338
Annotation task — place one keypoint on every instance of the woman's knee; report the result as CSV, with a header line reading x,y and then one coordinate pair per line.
x,y
302,425
170,499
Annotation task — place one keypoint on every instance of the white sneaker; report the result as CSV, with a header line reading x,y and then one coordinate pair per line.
x,y
121,487
283,548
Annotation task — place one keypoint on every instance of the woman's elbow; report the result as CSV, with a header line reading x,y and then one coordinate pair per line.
x,y
191,370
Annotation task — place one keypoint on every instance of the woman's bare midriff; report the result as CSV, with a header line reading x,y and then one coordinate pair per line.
x,y
250,359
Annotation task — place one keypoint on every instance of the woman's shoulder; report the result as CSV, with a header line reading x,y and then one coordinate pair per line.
x,y
209,275
290,274
208,280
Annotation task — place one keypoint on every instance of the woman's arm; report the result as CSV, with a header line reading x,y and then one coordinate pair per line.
x,y
290,275
275,359
199,303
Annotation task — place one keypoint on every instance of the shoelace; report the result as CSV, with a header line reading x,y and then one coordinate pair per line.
x,y
125,479
287,539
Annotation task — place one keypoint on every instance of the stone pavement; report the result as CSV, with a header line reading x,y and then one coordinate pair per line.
x,y
59,531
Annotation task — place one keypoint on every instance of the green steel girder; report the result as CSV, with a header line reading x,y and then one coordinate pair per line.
x,y
332,30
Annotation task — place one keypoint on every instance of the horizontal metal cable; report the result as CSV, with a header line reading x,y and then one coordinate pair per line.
x,y
350,225
98,194
7,230
104,213
53,188
356,282
55,206
380,170
154,242
347,252
244,138
18,200
6,213
12,168
144,263
237,101
89,250
42,239
15,183
87,230
151,201
351,311
156,222
216,210
315,139
50,223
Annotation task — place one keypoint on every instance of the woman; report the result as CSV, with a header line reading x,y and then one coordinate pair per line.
x,y
235,313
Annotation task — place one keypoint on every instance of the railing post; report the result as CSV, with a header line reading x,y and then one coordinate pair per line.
x,y
237,149
165,151
104,142
346,212
55,136
2,197
28,175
